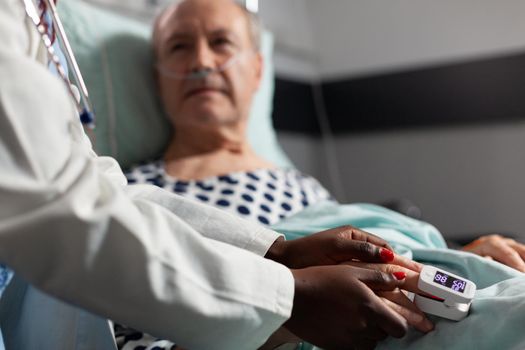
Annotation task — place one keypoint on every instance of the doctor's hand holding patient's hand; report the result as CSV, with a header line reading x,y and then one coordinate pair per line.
x,y
350,245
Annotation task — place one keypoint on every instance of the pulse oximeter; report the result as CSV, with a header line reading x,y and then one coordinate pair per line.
x,y
449,296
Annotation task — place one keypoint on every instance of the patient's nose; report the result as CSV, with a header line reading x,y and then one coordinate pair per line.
x,y
203,58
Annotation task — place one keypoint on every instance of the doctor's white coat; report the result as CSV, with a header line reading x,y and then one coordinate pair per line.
x,y
70,225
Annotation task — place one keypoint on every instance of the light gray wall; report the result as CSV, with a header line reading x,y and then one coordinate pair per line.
x,y
295,50
305,153
465,180
354,37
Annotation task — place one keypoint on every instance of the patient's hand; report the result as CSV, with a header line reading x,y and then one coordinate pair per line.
x,y
505,250
397,299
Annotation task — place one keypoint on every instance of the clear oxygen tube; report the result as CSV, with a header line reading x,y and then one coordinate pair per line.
x,y
200,73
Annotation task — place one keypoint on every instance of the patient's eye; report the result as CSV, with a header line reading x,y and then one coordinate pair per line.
x,y
221,43
179,47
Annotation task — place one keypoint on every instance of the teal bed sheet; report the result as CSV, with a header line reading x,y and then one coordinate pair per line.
x,y
497,316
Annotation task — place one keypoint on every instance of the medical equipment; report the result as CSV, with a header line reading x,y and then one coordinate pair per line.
x,y
450,295
172,73
85,111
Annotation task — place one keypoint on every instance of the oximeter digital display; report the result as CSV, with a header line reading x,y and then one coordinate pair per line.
x,y
446,280
445,294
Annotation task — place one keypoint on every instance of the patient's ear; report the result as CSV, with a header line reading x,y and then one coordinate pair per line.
x,y
259,67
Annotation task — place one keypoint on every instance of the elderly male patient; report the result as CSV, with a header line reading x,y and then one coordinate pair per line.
x,y
208,69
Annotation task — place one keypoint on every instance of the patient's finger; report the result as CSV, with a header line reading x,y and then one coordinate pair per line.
x,y
504,250
518,247
411,279
408,263
398,302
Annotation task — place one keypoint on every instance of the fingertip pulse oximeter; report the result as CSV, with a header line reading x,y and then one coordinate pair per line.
x,y
450,295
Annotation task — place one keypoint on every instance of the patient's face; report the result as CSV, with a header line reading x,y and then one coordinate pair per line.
x,y
200,35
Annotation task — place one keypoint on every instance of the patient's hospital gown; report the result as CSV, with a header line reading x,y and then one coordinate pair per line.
x,y
266,196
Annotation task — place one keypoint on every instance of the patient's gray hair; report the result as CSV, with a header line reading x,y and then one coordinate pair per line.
x,y
255,26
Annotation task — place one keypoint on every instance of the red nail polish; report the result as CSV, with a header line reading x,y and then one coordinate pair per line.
x,y
399,275
386,255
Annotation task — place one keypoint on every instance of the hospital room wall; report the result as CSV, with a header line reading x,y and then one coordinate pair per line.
x,y
366,37
466,179
294,48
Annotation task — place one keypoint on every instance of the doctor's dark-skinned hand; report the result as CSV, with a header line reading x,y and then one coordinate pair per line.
x,y
334,246
335,307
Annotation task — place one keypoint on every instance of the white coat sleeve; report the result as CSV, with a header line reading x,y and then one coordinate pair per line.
x,y
234,230
254,238
73,231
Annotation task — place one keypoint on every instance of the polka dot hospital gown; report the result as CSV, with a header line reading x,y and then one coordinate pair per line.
x,y
265,196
